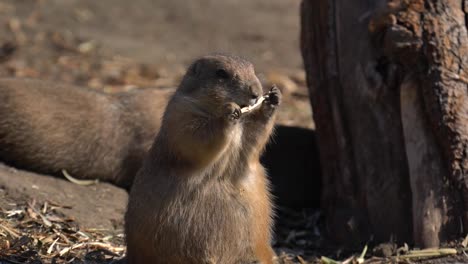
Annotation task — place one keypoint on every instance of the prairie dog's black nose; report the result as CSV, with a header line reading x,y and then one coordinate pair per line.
x,y
253,94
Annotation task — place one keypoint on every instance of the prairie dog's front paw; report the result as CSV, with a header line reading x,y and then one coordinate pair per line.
x,y
274,96
232,111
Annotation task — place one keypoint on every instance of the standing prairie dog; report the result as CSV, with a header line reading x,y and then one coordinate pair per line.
x,y
47,127
202,195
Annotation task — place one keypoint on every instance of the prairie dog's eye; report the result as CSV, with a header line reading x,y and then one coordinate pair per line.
x,y
222,73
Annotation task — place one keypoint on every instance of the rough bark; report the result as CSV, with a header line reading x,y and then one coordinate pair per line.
x,y
388,84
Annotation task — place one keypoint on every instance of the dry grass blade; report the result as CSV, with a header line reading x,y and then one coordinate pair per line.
x,y
100,245
301,260
348,260
63,237
363,254
428,253
12,213
326,260
9,231
33,212
68,249
79,182
45,207
51,247
352,259
465,242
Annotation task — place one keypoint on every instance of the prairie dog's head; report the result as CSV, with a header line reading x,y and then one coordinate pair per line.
x,y
220,78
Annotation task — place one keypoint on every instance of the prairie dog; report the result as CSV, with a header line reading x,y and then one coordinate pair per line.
x,y
48,127
202,195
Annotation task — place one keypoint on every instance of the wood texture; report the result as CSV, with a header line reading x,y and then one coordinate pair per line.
x,y
388,85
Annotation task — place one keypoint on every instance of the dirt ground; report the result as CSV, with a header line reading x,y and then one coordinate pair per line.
x,y
115,45
171,33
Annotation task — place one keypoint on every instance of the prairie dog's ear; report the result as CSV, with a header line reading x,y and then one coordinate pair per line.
x,y
195,69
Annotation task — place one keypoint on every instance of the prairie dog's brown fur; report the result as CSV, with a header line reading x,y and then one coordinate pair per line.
x,y
202,195
47,127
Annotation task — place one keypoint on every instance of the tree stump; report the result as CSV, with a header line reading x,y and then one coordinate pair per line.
x,y
388,83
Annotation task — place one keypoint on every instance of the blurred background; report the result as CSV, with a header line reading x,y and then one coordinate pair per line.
x,y
117,44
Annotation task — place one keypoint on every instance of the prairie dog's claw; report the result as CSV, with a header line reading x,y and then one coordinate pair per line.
x,y
232,111
274,96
